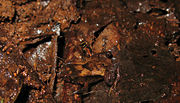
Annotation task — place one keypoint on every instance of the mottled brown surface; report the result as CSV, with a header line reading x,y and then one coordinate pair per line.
x,y
108,51
10,83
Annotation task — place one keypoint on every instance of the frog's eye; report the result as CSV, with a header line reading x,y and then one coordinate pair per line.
x,y
109,54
